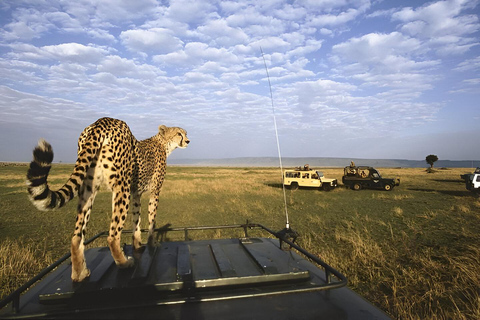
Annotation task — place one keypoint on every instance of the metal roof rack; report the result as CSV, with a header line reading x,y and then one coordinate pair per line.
x,y
207,276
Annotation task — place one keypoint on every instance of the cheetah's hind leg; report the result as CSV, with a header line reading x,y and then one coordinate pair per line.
x,y
120,207
86,197
137,233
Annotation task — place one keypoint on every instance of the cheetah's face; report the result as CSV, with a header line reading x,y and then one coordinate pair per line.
x,y
174,136
180,138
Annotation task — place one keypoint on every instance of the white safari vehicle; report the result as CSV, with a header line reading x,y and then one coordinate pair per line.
x,y
304,177
472,181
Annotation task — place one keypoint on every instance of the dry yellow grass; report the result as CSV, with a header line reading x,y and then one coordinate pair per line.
x,y
410,282
17,264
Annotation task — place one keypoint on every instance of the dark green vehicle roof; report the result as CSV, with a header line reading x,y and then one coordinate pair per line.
x,y
239,278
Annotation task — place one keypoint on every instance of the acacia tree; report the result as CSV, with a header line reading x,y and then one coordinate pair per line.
x,y
431,159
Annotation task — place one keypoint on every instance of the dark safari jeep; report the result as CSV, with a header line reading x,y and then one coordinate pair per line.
x,y
245,277
361,177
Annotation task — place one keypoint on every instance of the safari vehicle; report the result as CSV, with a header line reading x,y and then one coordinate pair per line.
x,y
245,277
361,177
472,180
304,177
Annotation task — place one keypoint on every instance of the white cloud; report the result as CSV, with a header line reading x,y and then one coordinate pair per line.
x,y
386,61
198,77
340,108
470,64
231,6
308,47
333,20
48,17
438,19
106,13
63,21
294,38
101,35
381,13
331,13
178,58
191,11
256,23
14,105
65,52
442,25
375,47
156,40
212,67
121,67
196,53
270,44
26,25
74,52
306,93
221,34
475,82
290,12
467,86
324,5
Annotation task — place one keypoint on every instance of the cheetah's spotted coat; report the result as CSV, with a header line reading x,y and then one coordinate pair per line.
x,y
107,151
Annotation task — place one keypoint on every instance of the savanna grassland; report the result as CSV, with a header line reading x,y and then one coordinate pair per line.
x,y
414,252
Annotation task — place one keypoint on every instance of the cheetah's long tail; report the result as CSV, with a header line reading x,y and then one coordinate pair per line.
x,y
39,192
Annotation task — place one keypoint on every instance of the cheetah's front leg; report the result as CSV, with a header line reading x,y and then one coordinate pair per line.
x,y
152,213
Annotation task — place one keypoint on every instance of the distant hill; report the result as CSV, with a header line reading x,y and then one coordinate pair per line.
x,y
320,162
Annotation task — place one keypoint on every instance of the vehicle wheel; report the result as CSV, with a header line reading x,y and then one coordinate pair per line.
x,y
357,186
294,186
327,187
388,187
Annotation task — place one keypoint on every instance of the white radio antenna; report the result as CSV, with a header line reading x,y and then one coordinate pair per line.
x,y
287,226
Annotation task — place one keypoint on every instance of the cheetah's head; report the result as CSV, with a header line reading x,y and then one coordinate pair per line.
x,y
174,137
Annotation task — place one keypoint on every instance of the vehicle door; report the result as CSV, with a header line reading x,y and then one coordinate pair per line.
x,y
376,180
315,179
305,179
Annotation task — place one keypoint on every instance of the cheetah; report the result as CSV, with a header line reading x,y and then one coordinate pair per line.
x,y
107,152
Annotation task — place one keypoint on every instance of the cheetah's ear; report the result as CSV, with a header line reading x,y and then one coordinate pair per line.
x,y
162,129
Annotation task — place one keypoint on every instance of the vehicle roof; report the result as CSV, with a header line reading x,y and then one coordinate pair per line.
x,y
239,278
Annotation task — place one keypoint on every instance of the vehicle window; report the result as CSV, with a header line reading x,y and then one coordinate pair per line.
x,y
292,175
305,176
478,178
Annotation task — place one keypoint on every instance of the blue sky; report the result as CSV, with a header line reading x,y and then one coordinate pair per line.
x,y
359,79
